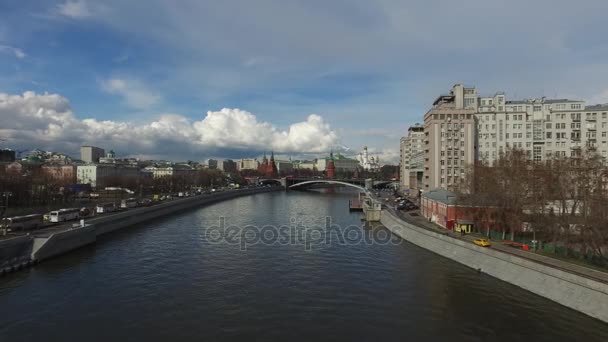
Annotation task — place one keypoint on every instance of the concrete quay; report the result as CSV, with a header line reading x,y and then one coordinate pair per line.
x,y
23,251
577,291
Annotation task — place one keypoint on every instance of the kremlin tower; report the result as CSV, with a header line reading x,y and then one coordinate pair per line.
x,y
331,168
268,168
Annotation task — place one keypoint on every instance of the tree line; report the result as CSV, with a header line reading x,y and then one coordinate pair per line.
x,y
562,201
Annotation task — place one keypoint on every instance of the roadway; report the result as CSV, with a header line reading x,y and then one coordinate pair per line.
x,y
415,218
50,228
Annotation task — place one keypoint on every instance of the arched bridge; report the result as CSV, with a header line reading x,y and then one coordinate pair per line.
x,y
292,182
325,181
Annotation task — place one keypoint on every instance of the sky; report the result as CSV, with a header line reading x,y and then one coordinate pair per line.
x,y
194,79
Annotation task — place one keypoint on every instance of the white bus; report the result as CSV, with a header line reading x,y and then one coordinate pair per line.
x,y
128,203
32,221
106,208
62,215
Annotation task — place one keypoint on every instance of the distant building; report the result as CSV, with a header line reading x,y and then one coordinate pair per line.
x,y
227,165
212,163
306,165
331,168
368,163
7,156
60,173
412,159
247,164
268,168
284,166
341,163
170,170
91,154
98,175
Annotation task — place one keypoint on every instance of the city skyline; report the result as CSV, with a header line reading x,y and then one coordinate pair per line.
x,y
231,80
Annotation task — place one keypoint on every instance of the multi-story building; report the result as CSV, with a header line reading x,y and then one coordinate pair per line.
x,y
412,158
91,154
227,165
177,170
462,128
212,163
60,173
341,163
7,156
284,166
449,138
247,164
102,174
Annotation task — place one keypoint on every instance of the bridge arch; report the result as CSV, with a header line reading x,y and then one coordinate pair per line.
x,y
327,181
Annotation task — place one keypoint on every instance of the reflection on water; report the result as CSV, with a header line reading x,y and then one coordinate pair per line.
x,y
164,280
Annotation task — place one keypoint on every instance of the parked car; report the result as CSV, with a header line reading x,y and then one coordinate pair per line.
x,y
482,242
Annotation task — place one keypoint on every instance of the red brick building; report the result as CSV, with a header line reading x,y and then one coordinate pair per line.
x,y
440,206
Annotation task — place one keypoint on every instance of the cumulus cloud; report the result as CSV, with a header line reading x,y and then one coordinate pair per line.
x,y
47,121
132,91
74,9
18,53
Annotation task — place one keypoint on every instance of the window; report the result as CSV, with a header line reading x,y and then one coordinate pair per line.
x,y
548,135
538,108
575,106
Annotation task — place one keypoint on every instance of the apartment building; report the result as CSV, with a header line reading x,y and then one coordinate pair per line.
x,y
462,128
412,158
449,138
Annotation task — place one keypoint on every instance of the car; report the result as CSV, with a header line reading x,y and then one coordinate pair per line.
x,y
482,242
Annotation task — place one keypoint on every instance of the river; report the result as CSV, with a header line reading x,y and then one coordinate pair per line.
x,y
188,277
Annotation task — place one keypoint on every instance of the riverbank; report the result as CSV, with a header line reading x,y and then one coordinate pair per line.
x,y
23,251
577,292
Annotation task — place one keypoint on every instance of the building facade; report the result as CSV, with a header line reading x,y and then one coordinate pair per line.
x,y
227,165
7,156
367,162
412,158
247,164
91,154
449,138
100,175
60,173
462,128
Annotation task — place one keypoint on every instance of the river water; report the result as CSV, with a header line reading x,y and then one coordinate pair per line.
x,y
190,277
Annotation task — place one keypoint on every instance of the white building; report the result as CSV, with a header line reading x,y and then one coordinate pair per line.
x,y
412,158
247,164
463,127
170,170
100,174
368,163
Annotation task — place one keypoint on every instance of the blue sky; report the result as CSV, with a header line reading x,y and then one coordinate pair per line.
x,y
368,69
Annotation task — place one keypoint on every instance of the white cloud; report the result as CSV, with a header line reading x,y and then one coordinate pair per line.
x,y
47,121
600,98
18,53
134,92
74,9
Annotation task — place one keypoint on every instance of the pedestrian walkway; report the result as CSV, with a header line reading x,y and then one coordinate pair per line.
x,y
562,265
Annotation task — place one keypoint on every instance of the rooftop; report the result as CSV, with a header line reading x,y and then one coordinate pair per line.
x,y
597,107
441,195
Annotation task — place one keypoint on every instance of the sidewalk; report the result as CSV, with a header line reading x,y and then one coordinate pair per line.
x,y
498,246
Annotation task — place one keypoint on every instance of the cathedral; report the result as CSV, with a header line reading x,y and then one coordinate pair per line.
x,y
268,168
368,163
